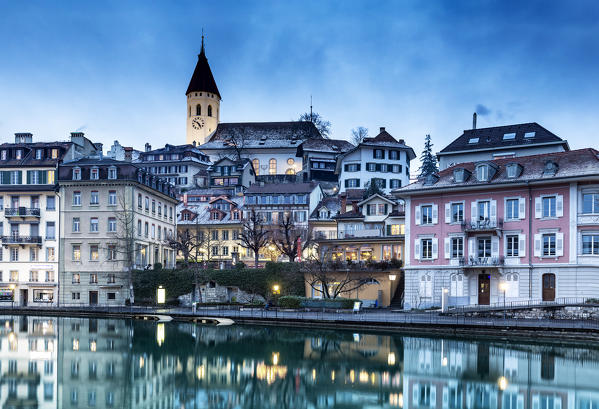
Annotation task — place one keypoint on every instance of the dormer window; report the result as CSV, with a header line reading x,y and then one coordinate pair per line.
x,y
509,136
528,135
323,214
473,140
112,172
19,154
39,154
431,179
54,153
513,170
459,175
550,168
482,173
3,155
76,173
94,174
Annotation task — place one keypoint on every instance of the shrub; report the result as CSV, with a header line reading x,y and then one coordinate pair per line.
x,y
157,266
290,301
347,302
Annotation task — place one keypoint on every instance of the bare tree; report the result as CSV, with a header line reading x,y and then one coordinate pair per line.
x,y
323,126
332,282
235,145
358,134
288,235
123,250
183,243
254,236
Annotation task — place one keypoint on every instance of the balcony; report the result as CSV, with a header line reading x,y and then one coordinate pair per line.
x,y
481,226
361,233
15,239
475,262
21,212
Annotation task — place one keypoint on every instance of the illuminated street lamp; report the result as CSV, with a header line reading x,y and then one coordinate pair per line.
x,y
160,295
392,277
12,288
503,287
276,289
502,383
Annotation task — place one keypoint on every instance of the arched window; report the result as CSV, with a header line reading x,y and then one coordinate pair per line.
x,y
209,110
190,111
290,171
457,285
199,110
256,164
272,166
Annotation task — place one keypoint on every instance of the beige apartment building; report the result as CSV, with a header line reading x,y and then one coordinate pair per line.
x,y
115,218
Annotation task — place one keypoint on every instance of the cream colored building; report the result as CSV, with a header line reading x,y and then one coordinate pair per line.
x,y
115,217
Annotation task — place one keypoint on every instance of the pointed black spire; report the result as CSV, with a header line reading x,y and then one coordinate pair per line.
x,y
202,79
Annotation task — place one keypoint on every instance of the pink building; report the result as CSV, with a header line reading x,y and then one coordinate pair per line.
x,y
524,228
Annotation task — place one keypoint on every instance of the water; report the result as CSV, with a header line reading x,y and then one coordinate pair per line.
x,y
97,363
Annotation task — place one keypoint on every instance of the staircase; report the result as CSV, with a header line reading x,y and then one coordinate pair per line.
x,y
397,300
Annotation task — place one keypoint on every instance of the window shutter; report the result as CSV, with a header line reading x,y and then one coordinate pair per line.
x,y
345,167
386,208
535,401
346,183
388,230
368,210
435,248
20,178
359,166
415,388
474,212
43,176
447,247
522,210
559,244
537,250
358,183
495,246
445,396
417,215
29,176
522,245
5,179
493,212
559,205
417,249
374,154
538,207
471,247
447,213
435,214
433,389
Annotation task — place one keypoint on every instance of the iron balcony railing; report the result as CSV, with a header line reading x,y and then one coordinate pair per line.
x,y
21,212
482,225
15,239
482,261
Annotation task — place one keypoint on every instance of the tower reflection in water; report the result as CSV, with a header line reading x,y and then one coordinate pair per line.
x,y
98,363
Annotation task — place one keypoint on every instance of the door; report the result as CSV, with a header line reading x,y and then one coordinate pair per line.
x,y
24,297
93,298
484,289
548,287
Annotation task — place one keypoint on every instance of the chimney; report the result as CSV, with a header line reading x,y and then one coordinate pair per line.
x,y
148,147
343,203
194,144
77,138
354,206
402,141
382,129
474,121
23,137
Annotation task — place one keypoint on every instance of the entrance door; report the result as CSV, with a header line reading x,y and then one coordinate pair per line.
x,y
548,287
24,297
484,289
93,298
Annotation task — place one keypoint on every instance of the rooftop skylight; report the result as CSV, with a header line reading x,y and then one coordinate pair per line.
x,y
529,134
473,140
508,136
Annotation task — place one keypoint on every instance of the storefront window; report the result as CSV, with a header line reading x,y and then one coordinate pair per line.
x,y
351,254
387,252
43,295
366,254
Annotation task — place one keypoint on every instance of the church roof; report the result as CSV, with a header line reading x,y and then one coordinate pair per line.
x,y
253,135
202,79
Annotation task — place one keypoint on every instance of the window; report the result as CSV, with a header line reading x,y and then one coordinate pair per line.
x,y
111,296
112,224
15,177
549,206
198,110
50,254
94,198
484,210
93,252
272,167
3,155
76,198
38,153
511,209
76,253
394,155
482,173
50,203
76,173
395,183
215,250
426,249
139,200
93,225
139,227
512,246
512,170
225,251
214,234
426,213
378,154
457,212
14,276
54,153
225,234
76,278
484,247
426,286
509,136
112,198
93,279
457,285
209,110
351,183
50,231
146,229
147,204
473,140
351,167
529,134
549,248
33,276
111,253
590,203
153,234
590,244
76,225
457,247
512,280
256,165
14,254
49,276
94,174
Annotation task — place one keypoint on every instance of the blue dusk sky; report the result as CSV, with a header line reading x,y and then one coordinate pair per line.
x,y
119,69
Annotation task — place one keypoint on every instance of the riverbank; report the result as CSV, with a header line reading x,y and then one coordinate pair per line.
x,y
417,323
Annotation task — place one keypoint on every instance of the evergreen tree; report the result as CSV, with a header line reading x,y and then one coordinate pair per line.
x,y
427,159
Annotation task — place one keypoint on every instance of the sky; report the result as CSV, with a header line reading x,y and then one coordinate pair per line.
x,y
118,70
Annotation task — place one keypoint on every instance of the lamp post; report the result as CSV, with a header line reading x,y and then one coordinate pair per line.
x,y
12,289
276,289
503,287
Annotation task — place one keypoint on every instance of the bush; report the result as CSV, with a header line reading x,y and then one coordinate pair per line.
x,y
157,266
290,301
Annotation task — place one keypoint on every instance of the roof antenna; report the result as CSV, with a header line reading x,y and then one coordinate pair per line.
x,y
202,52
310,107
474,121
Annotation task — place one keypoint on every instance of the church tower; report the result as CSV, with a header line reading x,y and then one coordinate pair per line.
x,y
203,102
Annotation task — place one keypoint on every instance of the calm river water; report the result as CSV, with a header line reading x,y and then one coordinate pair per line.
x,y
99,363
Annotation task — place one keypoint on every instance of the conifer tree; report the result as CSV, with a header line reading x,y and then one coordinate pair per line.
x,y
427,159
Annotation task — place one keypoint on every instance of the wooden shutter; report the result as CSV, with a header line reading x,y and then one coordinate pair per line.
x,y
538,207
388,230
474,212
346,183
471,251
522,245
435,213
494,246
435,242
417,219
417,249
493,212
559,244
522,209
29,176
447,247
44,176
559,204
386,208
537,250
447,213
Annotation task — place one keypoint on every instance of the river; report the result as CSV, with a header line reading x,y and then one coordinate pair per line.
x,y
50,362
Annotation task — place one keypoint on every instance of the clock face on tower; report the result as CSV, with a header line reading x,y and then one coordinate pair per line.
x,y
197,123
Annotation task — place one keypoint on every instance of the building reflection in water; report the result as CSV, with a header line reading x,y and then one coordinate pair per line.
x,y
97,363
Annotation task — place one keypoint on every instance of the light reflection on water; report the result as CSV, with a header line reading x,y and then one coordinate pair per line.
x,y
97,363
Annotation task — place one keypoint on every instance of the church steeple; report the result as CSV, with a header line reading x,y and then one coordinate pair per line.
x,y
202,79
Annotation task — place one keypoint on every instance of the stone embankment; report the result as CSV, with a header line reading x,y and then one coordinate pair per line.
x,y
561,313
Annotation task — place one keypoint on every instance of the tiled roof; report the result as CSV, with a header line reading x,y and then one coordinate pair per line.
x,y
253,135
326,145
332,203
384,139
493,138
202,79
202,209
577,163
281,188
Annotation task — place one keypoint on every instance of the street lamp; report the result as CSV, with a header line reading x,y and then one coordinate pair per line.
x,y
276,289
12,288
160,295
503,287
502,382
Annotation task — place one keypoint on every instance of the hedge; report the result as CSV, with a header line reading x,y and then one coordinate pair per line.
x,y
303,302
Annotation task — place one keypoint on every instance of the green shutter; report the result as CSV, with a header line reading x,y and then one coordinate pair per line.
x,y
346,182
43,177
388,228
20,177
4,177
29,176
368,210
386,207
358,184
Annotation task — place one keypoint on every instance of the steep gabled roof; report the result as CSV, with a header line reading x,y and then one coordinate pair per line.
x,y
493,138
202,79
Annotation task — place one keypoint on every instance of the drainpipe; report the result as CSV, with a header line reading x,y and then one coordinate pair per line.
x,y
530,240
